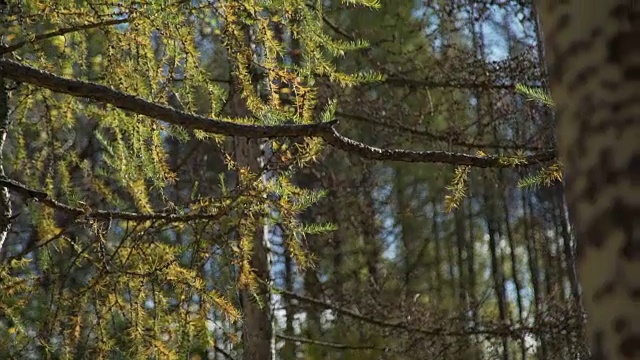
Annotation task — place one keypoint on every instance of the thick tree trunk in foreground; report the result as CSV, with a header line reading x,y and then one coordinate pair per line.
x,y
593,54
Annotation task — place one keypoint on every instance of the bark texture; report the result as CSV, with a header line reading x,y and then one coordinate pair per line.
x,y
593,54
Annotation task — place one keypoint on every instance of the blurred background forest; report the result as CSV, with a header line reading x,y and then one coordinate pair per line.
x,y
414,269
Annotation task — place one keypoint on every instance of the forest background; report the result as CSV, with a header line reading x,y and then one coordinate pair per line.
x,y
139,230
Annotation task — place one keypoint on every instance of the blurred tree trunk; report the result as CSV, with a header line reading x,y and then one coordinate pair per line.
x,y
370,229
497,274
462,256
567,246
515,272
534,270
437,267
471,266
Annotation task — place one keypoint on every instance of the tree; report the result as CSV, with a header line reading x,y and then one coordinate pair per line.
x,y
135,222
594,65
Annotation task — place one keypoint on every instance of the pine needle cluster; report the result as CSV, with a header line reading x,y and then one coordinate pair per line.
x,y
154,285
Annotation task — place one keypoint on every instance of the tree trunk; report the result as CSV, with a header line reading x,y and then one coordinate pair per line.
x,y
471,263
461,246
451,267
257,335
370,231
408,233
5,202
257,324
438,286
593,55
515,269
496,264
534,269
289,348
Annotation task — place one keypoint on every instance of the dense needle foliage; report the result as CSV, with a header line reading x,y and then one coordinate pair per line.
x,y
131,238
146,285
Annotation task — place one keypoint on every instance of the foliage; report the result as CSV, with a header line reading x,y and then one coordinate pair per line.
x,y
135,238
457,188
535,94
547,175
134,282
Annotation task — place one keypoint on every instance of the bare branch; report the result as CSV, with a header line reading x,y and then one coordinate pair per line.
x,y
433,84
444,157
437,137
496,330
326,343
326,131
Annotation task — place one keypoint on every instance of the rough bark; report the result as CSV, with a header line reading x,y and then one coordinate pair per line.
x,y
593,55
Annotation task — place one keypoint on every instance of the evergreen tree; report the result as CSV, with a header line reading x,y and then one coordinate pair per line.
x,y
279,179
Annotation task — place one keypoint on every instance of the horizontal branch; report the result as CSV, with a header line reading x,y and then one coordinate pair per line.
x,y
107,95
5,49
437,137
495,331
443,84
47,200
444,157
326,343
326,131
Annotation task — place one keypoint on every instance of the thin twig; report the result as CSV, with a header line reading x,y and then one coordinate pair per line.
x,y
220,350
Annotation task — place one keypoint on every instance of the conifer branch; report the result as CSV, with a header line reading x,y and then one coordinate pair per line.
x,y
445,157
494,330
46,199
5,49
326,130
104,94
